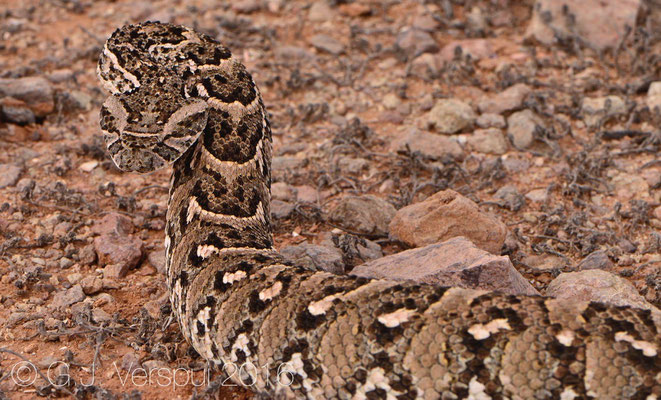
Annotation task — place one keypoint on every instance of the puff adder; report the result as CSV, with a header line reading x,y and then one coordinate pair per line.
x,y
179,97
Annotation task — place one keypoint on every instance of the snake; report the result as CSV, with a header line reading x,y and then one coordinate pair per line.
x,y
179,98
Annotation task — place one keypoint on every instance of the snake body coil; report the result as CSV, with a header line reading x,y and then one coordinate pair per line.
x,y
179,97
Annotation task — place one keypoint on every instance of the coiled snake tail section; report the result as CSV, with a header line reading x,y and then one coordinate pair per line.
x,y
179,97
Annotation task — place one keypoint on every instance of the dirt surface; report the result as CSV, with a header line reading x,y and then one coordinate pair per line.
x,y
337,101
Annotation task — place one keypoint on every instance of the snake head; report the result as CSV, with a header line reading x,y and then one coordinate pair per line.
x,y
150,119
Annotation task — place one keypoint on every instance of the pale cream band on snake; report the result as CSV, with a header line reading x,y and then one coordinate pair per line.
x,y
178,96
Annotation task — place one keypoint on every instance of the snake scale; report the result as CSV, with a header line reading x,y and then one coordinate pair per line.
x,y
178,96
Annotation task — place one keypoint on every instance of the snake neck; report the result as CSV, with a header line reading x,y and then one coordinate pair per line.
x,y
218,221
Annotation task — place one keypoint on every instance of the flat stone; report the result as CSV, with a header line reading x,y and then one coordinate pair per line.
x,y
355,9
306,194
597,285
283,191
451,116
281,209
65,298
87,255
355,250
36,92
487,120
601,109
60,75
9,174
391,101
157,260
630,186
425,22
510,197
16,111
428,65
544,262
596,260
488,141
414,42
113,223
246,6
600,23
100,316
445,215
454,262
91,284
521,128
130,362
366,214
120,253
476,48
654,97
320,11
315,257
538,195
508,100
430,145
282,166
326,43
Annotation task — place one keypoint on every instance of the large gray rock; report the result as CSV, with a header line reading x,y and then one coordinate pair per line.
x,y
315,257
476,48
521,128
113,223
654,97
597,285
445,215
600,23
368,215
9,174
118,253
414,42
35,92
428,144
65,298
488,141
508,100
596,260
451,116
601,109
455,262
327,44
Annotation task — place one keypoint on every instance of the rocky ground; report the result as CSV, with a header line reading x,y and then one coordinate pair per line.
x,y
528,129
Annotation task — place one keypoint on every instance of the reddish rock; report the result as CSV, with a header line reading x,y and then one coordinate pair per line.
x,y
455,262
596,260
367,215
355,9
9,174
315,257
65,298
120,253
507,100
157,260
113,223
91,284
600,23
428,144
36,92
597,285
445,215
477,48
414,42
